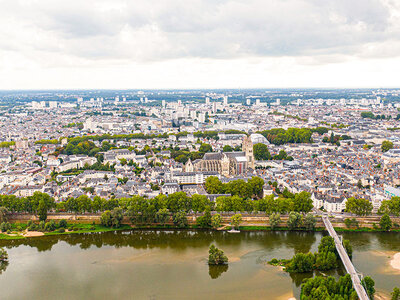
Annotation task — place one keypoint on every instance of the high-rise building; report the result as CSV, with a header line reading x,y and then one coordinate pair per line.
x,y
202,117
53,104
248,101
163,103
225,100
207,100
214,107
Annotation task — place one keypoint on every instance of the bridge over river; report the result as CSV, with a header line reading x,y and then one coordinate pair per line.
x,y
355,276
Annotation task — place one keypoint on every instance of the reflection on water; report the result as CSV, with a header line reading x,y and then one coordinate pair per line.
x,y
149,264
3,266
216,271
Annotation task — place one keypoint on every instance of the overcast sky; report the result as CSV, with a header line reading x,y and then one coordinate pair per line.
x,y
199,44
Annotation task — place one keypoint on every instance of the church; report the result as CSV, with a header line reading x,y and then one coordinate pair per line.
x,y
225,163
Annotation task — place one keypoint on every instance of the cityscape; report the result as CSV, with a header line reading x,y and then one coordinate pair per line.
x,y
199,149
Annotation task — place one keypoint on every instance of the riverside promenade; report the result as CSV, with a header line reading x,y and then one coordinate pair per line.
x,y
362,294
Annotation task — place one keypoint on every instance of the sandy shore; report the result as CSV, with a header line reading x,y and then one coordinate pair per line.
x,y
33,233
395,262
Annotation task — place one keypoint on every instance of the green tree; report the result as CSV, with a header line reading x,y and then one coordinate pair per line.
x,y
227,148
84,204
349,249
42,210
385,222
236,220
369,284
117,215
320,287
303,202
301,263
386,146
162,216
213,185
205,220
395,294
261,152
294,220
106,219
200,202
359,206
256,184
216,221
3,214
310,221
274,220
205,148
391,206
216,256
180,219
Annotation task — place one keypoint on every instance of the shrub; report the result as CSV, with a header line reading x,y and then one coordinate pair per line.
x,y
61,230
32,227
5,226
62,224
50,226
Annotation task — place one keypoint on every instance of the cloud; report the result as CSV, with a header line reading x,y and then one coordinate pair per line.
x,y
194,40
149,30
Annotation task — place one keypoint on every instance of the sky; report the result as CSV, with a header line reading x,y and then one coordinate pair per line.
x,y
168,44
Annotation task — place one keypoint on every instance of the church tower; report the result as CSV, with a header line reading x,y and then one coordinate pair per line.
x,y
225,163
248,150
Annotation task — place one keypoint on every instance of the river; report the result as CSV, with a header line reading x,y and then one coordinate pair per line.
x,y
147,264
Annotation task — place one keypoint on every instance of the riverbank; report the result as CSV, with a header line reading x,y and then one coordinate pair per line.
x,y
71,229
76,228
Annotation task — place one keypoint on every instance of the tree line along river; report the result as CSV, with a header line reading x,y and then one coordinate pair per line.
x,y
150,264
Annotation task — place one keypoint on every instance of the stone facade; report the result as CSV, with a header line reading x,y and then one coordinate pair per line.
x,y
225,163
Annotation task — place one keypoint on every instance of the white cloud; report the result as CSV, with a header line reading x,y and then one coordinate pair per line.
x,y
47,43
